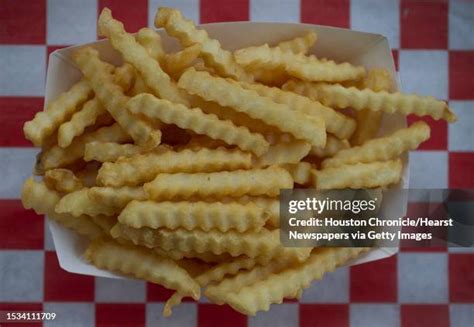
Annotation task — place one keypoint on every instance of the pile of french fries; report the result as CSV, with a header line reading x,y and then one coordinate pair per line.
x,y
172,163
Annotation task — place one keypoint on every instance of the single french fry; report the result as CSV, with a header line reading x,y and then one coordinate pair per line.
x,y
300,172
260,295
151,41
113,99
264,244
284,153
211,52
231,267
135,54
144,167
307,68
37,196
230,94
194,215
57,157
337,96
368,121
57,112
218,293
176,62
79,121
141,263
116,197
383,148
300,44
336,123
359,175
214,274
333,146
197,121
237,117
109,151
267,181
79,203
270,205
62,180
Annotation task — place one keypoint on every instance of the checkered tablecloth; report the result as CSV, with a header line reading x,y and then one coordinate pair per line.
x,y
433,44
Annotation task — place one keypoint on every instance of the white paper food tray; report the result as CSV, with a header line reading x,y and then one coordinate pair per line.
x,y
369,50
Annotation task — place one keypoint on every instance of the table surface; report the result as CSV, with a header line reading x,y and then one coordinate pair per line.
x,y
433,46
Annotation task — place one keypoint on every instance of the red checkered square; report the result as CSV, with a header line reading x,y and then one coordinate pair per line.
x,y
158,293
212,11
461,277
439,133
23,22
133,16
22,307
322,315
424,315
14,112
326,12
209,314
460,169
60,285
461,72
124,314
424,24
13,219
374,281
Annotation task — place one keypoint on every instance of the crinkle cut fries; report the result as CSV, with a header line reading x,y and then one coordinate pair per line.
x,y
171,164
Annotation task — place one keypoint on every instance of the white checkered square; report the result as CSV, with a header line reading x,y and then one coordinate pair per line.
x,y
461,315
461,18
16,165
112,290
424,72
333,288
70,314
22,70
71,21
189,8
384,18
184,314
21,276
429,169
423,278
279,315
461,134
268,11
374,315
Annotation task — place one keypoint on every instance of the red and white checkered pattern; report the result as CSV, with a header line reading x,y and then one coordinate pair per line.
x,y
434,48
